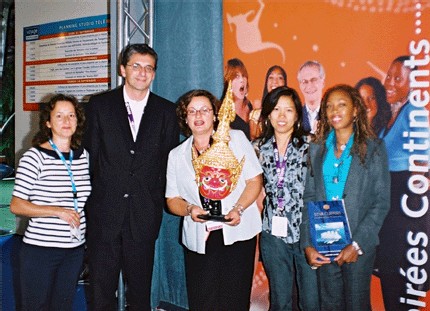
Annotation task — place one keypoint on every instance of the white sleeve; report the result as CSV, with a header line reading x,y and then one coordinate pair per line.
x,y
27,174
243,148
171,175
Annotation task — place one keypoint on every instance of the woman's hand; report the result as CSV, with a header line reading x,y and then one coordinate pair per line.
x,y
25,208
315,259
194,211
347,255
235,216
70,216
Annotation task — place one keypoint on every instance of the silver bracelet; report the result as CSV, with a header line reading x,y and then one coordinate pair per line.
x,y
188,208
357,248
240,208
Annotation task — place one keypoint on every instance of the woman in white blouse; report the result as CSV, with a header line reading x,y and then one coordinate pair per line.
x,y
219,254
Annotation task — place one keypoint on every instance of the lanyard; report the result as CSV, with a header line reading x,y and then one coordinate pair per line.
x,y
281,165
130,116
69,170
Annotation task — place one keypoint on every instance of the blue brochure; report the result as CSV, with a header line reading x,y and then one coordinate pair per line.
x,y
330,230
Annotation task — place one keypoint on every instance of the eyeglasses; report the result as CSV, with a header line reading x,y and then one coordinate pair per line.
x,y
204,111
311,81
138,68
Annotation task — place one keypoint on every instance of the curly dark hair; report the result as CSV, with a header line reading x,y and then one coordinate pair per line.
x,y
45,133
362,129
270,102
383,114
184,101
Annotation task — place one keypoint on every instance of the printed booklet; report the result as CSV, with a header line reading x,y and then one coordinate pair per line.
x,y
330,230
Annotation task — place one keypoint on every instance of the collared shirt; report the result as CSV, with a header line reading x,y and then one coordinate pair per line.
x,y
137,108
313,118
292,190
335,170
310,119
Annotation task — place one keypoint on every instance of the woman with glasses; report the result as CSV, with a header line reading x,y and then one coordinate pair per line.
x,y
220,254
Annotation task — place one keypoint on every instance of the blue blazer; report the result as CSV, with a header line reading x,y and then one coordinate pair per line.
x,y
366,194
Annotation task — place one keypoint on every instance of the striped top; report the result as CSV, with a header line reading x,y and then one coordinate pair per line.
x,y
42,179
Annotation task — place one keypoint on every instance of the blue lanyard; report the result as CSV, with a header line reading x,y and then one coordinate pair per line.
x,y
69,170
280,170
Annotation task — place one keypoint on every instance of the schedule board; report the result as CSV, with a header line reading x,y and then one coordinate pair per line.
x,y
70,57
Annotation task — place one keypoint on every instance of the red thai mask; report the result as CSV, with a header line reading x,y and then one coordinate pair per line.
x,y
214,183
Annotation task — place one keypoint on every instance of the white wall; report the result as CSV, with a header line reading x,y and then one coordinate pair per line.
x,y
35,12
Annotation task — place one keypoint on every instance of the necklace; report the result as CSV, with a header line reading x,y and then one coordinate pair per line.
x,y
342,147
201,150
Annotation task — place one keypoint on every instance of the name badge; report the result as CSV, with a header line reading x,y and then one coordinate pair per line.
x,y
213,225
280,226
75,233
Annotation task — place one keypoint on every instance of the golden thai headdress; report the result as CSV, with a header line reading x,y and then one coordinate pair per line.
x,y
219,155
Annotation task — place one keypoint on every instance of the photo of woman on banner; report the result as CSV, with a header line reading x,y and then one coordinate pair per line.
x,y
235,73
375,99
346,163
406,138
213,180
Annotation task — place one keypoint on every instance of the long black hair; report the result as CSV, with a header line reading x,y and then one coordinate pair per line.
x,y
269,71
270,102
383,114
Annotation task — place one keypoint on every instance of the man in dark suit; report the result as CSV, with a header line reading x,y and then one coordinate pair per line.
x,y
311,78
130,133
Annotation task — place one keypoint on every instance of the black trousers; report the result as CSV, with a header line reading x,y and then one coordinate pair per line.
x,y
221,279
107,258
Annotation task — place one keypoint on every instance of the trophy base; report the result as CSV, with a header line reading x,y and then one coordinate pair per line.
x,y
214,217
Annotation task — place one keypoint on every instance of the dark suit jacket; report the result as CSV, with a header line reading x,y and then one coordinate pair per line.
x,y
127,174
366,194
306,123
305,120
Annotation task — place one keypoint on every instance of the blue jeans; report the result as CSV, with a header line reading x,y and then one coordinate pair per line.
x,y
49,276
280,260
